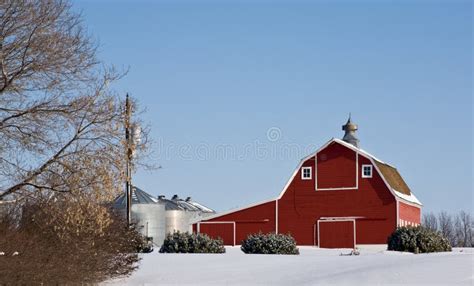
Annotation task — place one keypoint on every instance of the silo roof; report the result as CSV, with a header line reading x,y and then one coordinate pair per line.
x,y
201,207
175,203
170,205
187,206
138,197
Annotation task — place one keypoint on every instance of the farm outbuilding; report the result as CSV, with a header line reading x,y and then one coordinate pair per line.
x,y
340,196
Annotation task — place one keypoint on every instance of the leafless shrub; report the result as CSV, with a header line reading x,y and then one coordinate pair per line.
x,y
61,241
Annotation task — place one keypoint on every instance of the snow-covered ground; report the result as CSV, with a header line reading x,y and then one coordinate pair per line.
x,y
312,267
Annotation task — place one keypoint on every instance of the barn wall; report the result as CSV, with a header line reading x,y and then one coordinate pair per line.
x,y
374,231
224,231
336,167
260,218
301,205
409,214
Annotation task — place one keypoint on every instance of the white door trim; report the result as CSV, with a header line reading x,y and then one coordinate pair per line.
x,y
336,220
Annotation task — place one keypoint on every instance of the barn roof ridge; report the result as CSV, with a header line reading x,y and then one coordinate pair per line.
x,y
389,173
396,186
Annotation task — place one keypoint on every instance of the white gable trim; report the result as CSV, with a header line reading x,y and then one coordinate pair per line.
x,y
359,152
292,177
409,200
397,195
350,146
300,165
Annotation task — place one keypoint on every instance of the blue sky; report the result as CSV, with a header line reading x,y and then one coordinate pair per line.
x,y
236,93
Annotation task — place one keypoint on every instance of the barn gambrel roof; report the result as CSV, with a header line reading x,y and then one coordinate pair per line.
x,y
390,175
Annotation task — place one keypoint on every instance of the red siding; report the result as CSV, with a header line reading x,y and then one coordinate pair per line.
x,y
374,231
225,231
301,206
336,167
336,234
409,213
260,218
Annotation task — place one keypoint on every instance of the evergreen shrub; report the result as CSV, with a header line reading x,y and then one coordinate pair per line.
x,y
185,242
417,239
270,243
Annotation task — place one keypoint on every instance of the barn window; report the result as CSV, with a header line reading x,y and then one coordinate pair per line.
x,y
306,173
366,171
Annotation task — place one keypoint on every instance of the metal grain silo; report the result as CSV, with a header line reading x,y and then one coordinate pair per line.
x,y
147,213
178,220
150,220
181,213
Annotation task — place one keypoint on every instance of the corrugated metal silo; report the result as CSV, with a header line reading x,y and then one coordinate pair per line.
x,y
150,220
178,220
147,212
181,213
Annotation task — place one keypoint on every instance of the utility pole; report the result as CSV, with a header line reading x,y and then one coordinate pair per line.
x,y
128,154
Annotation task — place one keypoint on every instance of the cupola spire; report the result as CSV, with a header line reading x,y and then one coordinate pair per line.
x,y
349,135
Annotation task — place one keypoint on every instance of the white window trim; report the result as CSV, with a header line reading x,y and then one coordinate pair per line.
x,y
310,173
371,171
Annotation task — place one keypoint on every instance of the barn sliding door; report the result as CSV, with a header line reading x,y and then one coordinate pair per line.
x,y
336,233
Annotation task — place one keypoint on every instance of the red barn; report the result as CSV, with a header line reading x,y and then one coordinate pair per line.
x,y
338,197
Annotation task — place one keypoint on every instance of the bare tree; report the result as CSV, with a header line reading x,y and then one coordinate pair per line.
x,y
446,227
67,241
61,150
464,227
43,47
60,124
430,221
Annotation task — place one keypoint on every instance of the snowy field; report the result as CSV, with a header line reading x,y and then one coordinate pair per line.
x,y
312,267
